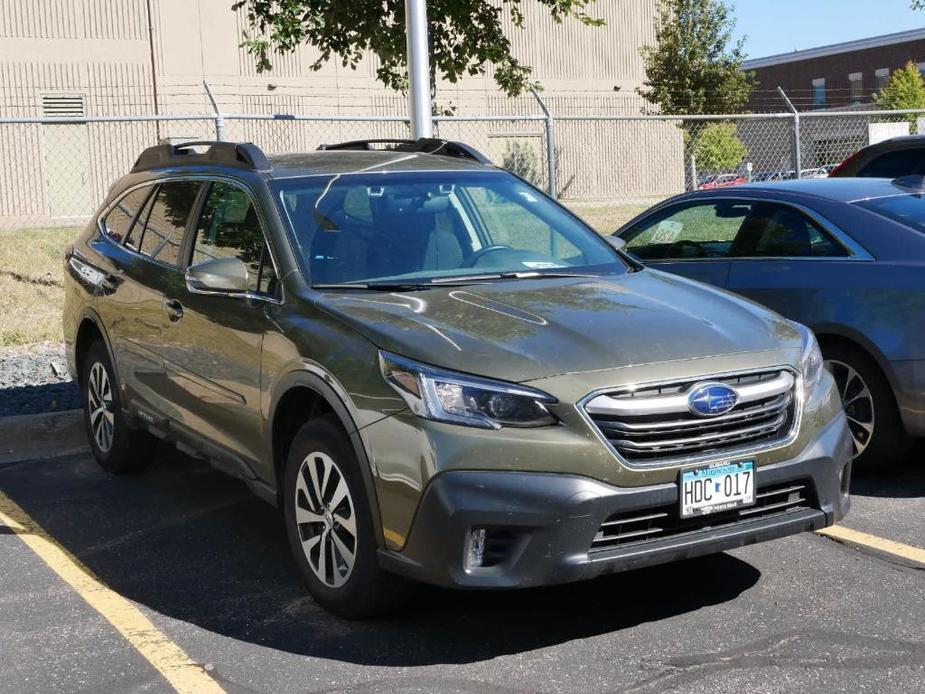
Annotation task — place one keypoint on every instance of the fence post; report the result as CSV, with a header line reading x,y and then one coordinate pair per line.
x,y
550,145
219,117
797,154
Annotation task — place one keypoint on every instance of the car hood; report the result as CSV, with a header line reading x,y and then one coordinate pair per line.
x,y
522,330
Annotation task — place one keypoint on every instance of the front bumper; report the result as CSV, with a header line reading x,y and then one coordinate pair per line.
x,y
548,521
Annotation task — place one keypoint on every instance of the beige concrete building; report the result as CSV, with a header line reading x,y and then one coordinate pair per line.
x,y
91,58
53,52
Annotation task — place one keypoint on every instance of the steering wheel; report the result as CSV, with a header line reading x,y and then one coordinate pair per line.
x,y
479,254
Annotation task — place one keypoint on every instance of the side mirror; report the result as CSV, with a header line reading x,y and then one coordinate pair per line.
x,y
616,242
221,275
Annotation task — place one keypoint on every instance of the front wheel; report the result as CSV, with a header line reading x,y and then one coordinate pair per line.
x,y
116,447
877,430
329,524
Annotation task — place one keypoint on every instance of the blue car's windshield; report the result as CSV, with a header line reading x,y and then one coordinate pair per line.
x,y
421,227
905,209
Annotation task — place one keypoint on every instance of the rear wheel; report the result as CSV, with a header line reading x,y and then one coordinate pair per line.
x,y
329,524
876,428
116,447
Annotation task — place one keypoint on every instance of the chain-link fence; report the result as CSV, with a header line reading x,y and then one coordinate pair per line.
x,y
56,171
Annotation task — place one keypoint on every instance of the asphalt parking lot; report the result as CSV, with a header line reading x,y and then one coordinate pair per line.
x,y
191,552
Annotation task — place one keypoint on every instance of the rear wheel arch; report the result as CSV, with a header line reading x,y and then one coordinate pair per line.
x,y
302,396
89,331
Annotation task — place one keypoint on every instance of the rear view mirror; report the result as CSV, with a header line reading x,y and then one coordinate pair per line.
x,y
220,275
616,242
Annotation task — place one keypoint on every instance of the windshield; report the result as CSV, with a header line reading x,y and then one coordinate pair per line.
x,y
905,209
434,226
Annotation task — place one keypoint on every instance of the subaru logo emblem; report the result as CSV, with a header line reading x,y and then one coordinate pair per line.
x,y
711,399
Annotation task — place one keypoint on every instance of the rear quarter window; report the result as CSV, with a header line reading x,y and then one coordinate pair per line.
x,y
118,221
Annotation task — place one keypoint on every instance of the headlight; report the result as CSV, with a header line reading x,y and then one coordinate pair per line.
x,y
810,359
445,396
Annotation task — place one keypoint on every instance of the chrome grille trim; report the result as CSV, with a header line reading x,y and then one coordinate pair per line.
x,y
674,444
631,404
663,432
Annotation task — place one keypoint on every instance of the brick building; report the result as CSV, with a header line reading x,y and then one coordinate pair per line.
x,y
837,76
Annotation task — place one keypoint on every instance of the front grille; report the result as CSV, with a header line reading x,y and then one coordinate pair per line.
x,y
651,524
654,425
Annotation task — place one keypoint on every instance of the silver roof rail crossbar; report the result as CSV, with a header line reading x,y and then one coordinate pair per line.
x,y
446,148
240,155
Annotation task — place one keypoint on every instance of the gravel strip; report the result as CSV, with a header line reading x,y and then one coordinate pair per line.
x,y
34,379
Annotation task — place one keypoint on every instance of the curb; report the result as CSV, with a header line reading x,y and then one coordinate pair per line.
x,y
38,436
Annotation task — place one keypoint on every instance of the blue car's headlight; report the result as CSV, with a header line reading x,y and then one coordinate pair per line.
x,y
446,396
811,363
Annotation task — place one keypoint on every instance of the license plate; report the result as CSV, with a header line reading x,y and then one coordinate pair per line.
x,y
717,487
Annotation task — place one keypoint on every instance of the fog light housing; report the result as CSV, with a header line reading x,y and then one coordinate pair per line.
x,y
475,548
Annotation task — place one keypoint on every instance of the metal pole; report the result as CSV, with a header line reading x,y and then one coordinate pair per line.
x,y
550,146
422,124
797,154
157,124
219,116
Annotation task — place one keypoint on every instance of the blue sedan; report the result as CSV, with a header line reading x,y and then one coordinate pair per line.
x,y
843,256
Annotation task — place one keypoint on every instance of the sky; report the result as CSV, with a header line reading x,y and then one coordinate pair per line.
x,y
780,26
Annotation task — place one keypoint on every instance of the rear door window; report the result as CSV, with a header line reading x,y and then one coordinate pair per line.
x,y
780,231
119,219
166,222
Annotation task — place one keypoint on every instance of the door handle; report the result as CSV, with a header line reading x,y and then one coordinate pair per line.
x,y
174,309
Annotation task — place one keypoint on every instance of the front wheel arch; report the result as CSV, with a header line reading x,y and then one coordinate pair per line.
x,y
304,387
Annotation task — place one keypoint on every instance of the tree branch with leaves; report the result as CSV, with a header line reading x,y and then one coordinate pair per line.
x,y
695,66
465,36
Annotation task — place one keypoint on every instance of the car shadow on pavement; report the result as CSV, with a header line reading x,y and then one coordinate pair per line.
x,y
902,481
194,545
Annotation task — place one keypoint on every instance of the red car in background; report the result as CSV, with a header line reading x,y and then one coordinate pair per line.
x,y
722,181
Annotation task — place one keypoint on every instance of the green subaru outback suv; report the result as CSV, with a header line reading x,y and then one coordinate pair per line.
x,y
438,373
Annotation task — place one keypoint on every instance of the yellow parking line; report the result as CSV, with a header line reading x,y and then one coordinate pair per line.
x,y
843,534
169,659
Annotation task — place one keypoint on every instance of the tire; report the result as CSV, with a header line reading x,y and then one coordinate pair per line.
x,y
323,531
880,439
117,448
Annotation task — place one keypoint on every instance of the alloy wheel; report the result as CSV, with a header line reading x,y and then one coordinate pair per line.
x,y
324,514
857,402
99,401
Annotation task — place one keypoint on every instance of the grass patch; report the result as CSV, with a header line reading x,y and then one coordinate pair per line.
x,y
606,219
31,288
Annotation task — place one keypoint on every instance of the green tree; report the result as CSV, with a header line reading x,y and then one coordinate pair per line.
x,y
717,147
695,66
466,36
906,89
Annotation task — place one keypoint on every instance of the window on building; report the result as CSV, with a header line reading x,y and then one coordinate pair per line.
x,y
855,87
882,77
819,92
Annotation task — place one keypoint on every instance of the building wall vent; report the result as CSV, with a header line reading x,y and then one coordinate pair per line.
x,y
63,106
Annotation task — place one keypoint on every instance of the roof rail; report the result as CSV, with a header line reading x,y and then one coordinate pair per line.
x,y
424,145
240,155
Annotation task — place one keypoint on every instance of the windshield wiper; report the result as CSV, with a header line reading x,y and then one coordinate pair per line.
x,y
513,275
